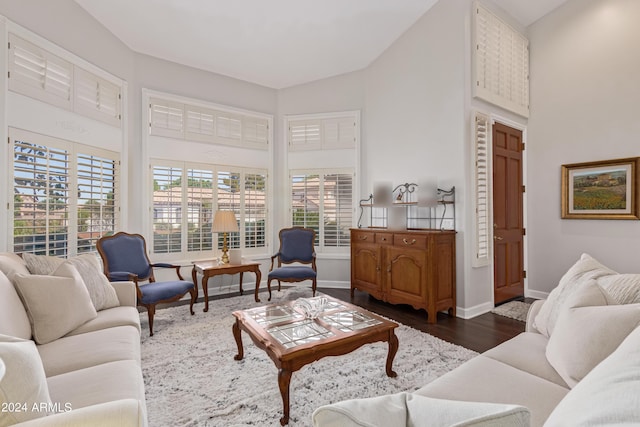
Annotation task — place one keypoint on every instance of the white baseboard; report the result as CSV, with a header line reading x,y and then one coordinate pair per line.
x,y
536,294
249,287
469,313
335,284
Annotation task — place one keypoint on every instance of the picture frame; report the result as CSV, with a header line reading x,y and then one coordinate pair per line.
x,y
606,189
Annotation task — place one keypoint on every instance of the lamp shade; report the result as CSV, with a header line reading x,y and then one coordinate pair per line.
x,y
224,222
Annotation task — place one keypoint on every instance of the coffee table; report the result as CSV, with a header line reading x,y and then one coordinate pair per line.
x,y
213,268
292,341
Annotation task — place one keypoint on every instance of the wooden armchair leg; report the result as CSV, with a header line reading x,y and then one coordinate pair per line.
x,y
269,288
151,311
313,287
194,296
279,285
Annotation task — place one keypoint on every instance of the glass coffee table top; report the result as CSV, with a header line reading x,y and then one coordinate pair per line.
x,y
350,320
298,333
269,315
290,327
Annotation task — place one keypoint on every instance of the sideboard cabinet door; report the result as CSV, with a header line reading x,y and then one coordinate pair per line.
x,y
415,267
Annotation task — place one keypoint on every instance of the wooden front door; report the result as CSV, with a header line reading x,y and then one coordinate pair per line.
x,y
508,228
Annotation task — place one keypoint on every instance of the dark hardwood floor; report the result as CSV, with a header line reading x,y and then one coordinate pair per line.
x,y
479,334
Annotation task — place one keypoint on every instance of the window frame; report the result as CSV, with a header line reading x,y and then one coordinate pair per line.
x,y
73,151
325,157
321,235
216,171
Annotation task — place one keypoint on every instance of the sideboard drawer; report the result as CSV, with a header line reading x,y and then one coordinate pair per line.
x,y
362,237
410,241
384,238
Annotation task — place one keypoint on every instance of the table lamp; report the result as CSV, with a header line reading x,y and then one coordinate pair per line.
x,y
225,222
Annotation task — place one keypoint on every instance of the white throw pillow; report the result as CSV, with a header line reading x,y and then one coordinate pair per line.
x,y
56,304
585,269
11,264
102,294
404,409
24,383
42,264
623,288
609,395
14,320
585,334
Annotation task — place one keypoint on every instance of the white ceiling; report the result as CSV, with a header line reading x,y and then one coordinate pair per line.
x,y
276,43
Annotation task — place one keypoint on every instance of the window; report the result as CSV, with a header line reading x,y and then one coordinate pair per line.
x,y
200,190
185,120
329,131
323,153
323,201
65,195
501,60
40,74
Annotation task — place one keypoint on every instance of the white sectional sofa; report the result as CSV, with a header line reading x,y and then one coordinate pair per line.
x,y
68,356
576,364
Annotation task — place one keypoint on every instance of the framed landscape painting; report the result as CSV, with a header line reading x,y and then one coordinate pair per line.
x,y
605,189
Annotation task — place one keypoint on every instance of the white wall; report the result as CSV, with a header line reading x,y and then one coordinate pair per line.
x,y
585,106
415,104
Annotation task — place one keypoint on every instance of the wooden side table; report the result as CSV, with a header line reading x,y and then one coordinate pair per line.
x,y
212,268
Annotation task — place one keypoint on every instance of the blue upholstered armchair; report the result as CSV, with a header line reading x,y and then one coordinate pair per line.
x,y
125,258
296,247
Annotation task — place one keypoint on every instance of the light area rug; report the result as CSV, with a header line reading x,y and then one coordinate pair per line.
x,y
191,378
513,309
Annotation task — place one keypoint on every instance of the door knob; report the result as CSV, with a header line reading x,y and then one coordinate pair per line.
x,y
497,238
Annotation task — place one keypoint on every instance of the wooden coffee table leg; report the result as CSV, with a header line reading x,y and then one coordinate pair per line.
x,y
393,349
236,335
284,379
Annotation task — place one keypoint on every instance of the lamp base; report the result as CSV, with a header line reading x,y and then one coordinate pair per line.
x,y
225,249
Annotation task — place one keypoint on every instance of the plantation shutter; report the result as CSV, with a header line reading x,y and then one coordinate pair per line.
x,y
501,61
255,210
337,208
167,118
97,198
96,97
255,132
38,73
230,199
199,124
41,190
305,201
305,134
481,189
167,209
339,133
199,207
228,128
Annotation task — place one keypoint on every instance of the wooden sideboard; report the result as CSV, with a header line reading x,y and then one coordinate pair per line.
x,y
415,267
